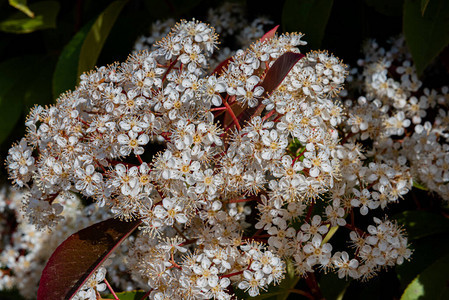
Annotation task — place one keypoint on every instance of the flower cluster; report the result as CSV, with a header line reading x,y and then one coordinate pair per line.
x,y
251,153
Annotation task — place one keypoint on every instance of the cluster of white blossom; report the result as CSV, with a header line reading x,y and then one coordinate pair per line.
x,y
406,121
232,197
230,22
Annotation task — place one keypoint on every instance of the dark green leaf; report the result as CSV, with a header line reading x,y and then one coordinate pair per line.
x,y
77,258
38,91
22,6
425,251
17,82
419,224
424,4
432,284
97,35
45,17
65,75
332,287
427,35
131,295
387,7
309,17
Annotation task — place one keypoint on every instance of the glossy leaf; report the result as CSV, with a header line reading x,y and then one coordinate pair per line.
x,y
45,13
95,39
419,224
309,17
79,256
65,75
277,72
426,251
427,35
131,295
432,284
22,6
38,89
269,34
19,81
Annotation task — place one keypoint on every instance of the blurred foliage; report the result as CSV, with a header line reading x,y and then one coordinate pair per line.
x,y
45,46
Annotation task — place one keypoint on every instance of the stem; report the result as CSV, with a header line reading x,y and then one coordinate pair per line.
x,y
234,118
139,158
218,108
296,291
313,286
111,289
242,200
231,274
268,115
172,64
146,294
309,212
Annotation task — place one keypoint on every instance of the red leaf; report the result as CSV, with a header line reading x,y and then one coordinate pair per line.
x,y
79,256
269,34
273,78
276,74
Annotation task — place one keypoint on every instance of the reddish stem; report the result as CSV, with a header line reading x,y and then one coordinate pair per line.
x,y
218,108
172,64
234,118
146,294
231,274
313,286
110,289
309,212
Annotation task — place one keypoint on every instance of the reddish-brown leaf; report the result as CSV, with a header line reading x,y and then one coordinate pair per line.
x,y
277,72
274,77
269,34
79,256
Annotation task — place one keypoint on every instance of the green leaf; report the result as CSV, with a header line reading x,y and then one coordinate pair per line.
x,y
420,224
332,287
424,4
425,252
427,35
22,6
97,35
131,295
18,78
431,284
65,75
45,17
309,17
38,91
